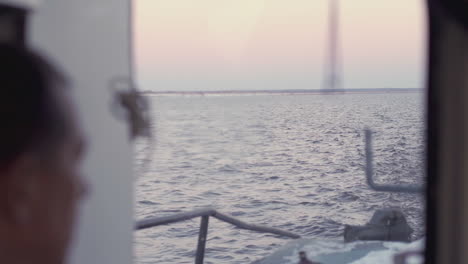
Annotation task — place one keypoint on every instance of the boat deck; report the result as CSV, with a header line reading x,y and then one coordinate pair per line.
x,y
338,252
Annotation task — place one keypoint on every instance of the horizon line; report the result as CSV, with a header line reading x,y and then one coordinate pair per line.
x,y
271,91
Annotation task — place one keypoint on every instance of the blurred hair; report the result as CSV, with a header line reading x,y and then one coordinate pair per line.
x,y
30,115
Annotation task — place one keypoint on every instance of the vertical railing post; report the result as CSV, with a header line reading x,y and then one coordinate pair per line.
x,y
202,239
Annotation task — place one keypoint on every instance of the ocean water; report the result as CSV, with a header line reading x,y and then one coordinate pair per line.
x,y
294,162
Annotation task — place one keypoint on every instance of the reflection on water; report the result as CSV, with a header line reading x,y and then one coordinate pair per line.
x,y
294,162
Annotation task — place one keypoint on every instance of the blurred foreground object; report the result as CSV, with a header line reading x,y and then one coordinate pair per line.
x,y
41,148
131,106
13,17
92,39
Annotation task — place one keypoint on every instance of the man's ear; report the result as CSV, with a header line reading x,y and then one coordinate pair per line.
x,y
21,184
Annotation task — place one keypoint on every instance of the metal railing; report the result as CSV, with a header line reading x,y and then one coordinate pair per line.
x,y
370,173
202,235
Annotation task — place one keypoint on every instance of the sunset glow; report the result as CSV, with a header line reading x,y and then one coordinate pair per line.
x,y
275,44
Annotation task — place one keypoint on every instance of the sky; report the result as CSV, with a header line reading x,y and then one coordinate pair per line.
x,y
186,45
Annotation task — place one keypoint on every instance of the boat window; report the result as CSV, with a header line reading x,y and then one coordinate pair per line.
x,y
259,112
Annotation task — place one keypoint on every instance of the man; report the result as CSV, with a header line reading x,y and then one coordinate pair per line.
x,y
41,146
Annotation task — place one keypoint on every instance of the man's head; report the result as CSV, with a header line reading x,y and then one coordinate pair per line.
x,y
41,146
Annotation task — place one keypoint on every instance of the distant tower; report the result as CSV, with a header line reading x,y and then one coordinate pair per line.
x,y
332,78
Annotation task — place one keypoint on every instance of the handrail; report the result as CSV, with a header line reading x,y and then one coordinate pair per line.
x,y
370,173
164,220
257,228
205,214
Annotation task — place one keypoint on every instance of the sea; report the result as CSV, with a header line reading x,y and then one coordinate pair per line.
x,y
290,161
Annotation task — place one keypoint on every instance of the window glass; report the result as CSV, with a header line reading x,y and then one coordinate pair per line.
x,y
246,121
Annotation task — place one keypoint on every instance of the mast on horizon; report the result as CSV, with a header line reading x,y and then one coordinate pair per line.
x,y
332,78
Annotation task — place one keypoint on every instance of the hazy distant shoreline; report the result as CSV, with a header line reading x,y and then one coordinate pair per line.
x,y
286,92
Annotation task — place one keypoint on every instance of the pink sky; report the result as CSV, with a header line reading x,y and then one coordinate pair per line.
x,y
258,44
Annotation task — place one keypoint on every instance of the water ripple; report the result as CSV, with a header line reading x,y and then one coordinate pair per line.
x,y
292,162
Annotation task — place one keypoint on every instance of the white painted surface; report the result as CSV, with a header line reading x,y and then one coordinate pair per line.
x,y
90,39
336,251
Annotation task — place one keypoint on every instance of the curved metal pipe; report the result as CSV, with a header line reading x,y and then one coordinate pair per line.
x,y
202,236
157,221
370,173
